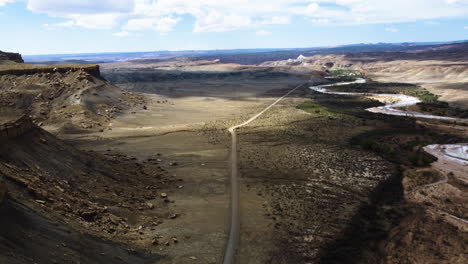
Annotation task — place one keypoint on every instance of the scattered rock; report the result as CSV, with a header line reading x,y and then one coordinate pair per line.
x,y
89,216
163,195
173,216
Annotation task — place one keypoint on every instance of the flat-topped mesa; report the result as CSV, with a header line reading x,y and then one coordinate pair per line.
x,y
27,69
9,56
13,64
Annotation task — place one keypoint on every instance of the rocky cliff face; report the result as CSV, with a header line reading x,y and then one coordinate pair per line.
x,y
8,56
65,97
2,189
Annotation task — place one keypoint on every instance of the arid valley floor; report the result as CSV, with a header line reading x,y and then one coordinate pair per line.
x,y
129,162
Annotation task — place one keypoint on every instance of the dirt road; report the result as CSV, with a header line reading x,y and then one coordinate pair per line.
x,y
234,231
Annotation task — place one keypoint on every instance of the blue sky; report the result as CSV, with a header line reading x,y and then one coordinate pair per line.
x,y
82,26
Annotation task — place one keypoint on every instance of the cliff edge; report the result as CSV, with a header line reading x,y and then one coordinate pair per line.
x,y
10,57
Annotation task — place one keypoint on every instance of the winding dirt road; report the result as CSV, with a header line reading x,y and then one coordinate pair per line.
x,y
234,231
391,109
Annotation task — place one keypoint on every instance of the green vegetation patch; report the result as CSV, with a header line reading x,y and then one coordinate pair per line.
x,y
315,108
345,73
417,177
311,107
396,88
430,103
376,87
381,148
424,95
402,145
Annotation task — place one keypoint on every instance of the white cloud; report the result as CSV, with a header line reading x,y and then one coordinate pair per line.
x,y
68,7
165,24
263,33
140,24
455,1
395,11
161,24
4,2
226,15
97,14
312,9
392,29
466,27
69,23
121,34
320,21
275,20
214,21
96,21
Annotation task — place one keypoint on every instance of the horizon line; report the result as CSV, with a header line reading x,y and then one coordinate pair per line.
x,y
247,49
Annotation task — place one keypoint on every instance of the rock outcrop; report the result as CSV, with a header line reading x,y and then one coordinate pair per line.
x,y
2,189
8,56
68,97
29,69
15,128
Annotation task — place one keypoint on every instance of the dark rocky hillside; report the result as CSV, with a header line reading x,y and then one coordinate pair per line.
x,y
8,56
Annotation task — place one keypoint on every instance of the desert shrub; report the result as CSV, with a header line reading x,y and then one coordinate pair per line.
x,y
348,73
375,146
425,96
420,159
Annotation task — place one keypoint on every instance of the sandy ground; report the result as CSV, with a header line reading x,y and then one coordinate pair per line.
x,y
293,182
298,168
444,78
436,212
180,129
455,93
451,159
192,131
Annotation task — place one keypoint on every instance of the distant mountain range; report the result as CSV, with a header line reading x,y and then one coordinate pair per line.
x,y
241,56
